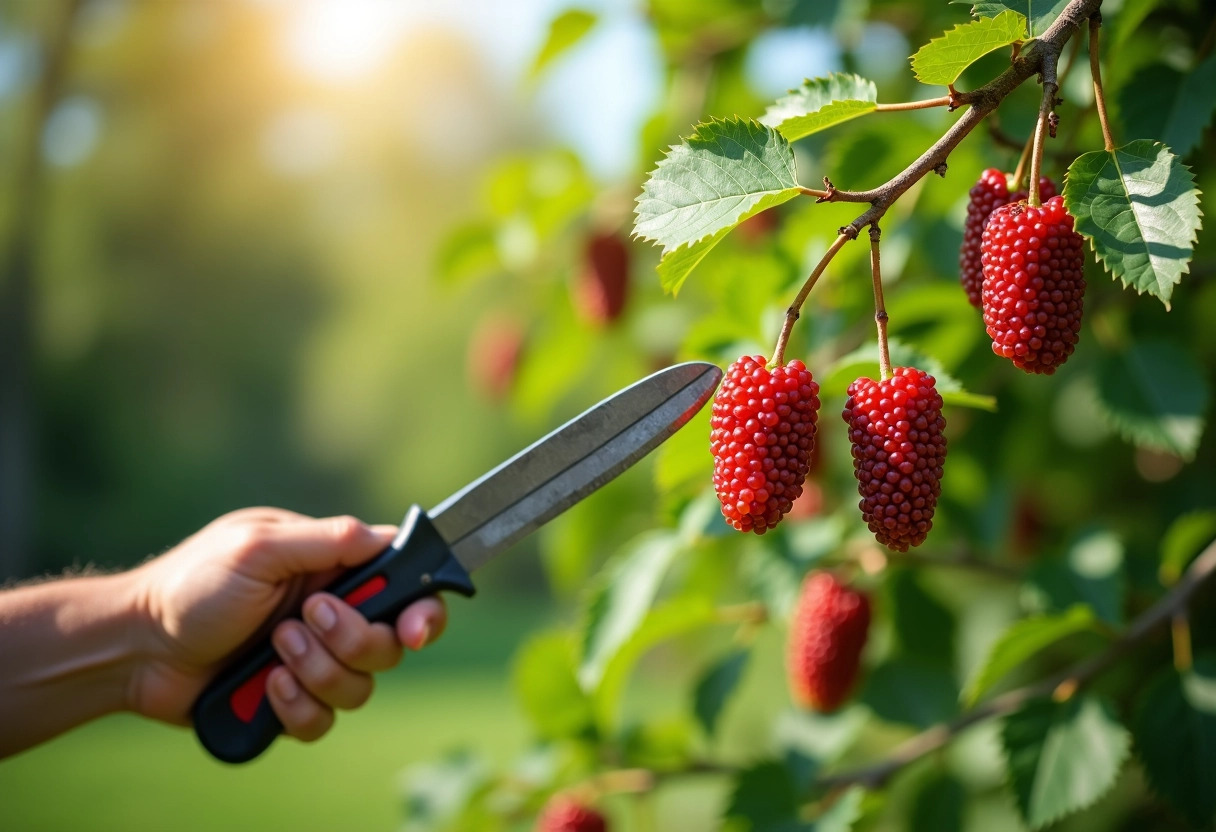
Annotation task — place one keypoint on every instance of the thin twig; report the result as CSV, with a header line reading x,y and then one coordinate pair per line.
x,y
795,308
1062,685
880,308
944,101
1095,69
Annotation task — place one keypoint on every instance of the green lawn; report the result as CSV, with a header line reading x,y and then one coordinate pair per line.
x,y
126,773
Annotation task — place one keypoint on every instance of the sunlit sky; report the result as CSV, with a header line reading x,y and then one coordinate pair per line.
x,y
603,90
594,98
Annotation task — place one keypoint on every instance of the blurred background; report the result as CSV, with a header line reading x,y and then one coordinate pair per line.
x,y
342,256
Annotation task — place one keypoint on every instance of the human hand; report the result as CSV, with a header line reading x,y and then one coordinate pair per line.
x,y
216,591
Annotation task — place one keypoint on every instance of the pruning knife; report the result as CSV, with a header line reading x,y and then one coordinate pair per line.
x,y
436,550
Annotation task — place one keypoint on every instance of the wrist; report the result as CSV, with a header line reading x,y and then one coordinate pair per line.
x,y
70,652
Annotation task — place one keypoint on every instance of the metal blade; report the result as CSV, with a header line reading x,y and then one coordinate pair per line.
x,y
543,480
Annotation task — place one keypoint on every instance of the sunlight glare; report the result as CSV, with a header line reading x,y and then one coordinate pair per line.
x,y
343,40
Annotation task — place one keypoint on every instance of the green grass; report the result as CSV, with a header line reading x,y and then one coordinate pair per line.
x,y
122,772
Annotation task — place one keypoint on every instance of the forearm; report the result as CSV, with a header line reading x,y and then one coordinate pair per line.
x,y
67,653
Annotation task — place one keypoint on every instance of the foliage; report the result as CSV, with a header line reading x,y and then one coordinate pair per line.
x,y
1058,492
1070,504
942,60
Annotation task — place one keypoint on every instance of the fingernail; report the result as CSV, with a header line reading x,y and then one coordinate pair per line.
x,y
424,636
288,689
323,615
294,641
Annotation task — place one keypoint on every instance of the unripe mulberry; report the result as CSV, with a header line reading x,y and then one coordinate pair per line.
x,y
1034,285
899,447
988,194
602,286
762,431
827,633
565,814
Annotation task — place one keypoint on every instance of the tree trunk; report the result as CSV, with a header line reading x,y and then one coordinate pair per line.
x,y
18,303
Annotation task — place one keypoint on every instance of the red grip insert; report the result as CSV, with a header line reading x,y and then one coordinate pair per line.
x,y
249,695
370,587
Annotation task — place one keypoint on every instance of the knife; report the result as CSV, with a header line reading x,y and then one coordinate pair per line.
x,y
436,550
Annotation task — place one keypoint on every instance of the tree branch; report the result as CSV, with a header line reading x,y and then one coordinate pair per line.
x,y
1042,52
1061,686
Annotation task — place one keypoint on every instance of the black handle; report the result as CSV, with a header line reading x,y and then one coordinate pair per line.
x,y
233,718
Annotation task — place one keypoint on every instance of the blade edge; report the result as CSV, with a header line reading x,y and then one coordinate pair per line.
x,y
584,474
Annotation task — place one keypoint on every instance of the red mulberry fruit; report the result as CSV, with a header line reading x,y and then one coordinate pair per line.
x,y
565,814
762,433
1034,285
899,447
988,194
826,637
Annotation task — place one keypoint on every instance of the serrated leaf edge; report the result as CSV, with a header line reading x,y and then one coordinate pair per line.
x,y
978,20
969,693
1122,758
852,76
684,145
1106,267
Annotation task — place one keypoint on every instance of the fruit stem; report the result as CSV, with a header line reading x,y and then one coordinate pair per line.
x,y
944,101
1180,633
880,309
1051,86
1095,22
795,308
1019,173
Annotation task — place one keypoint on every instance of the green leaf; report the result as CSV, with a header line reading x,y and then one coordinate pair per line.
x,y
842,814
1023,640
469,251
1175,732
939,806
1127,22
1139,208
863,361
924,627
943,59
620,603
716,687
547,688
1039,13
911,691
666,621
1090,573
726,172
821,103
435,793
823,737
764,796
1062,756
566,30
1161,103
1155,395
1184,539
660,745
